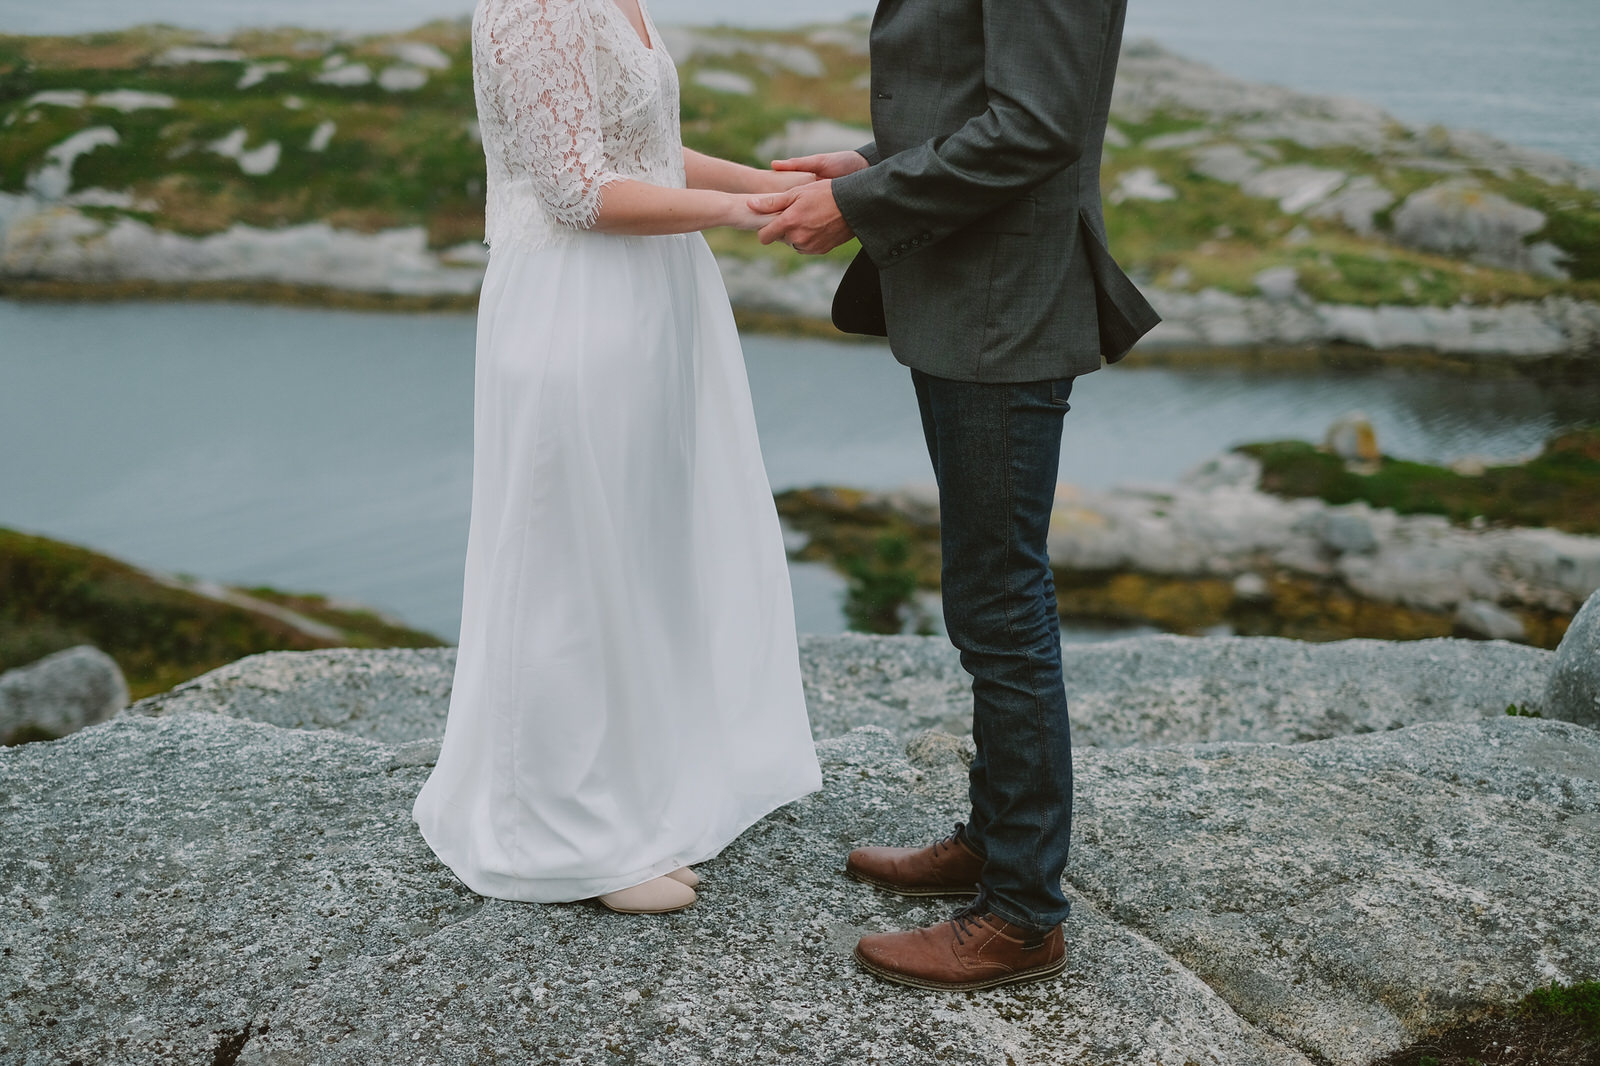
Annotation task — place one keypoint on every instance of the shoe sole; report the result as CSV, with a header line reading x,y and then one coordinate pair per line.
x,y
902,890
630,910
1021,977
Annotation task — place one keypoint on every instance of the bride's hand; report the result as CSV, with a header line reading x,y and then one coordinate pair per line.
x,y
774,181
740,215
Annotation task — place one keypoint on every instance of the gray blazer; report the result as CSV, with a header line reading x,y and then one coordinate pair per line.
x,y
980,215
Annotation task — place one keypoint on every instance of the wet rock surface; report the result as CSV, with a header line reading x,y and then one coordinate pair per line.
x,y
193,886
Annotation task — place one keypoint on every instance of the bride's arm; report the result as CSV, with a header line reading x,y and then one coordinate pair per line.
x,y
641,209
541,83
708,172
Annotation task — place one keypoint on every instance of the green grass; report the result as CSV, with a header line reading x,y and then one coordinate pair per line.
x,y
1554,1026
59,595
1559,489
407,159
1579,1002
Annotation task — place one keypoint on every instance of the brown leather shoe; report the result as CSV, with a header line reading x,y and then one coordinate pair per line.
x,y
964,954
944,868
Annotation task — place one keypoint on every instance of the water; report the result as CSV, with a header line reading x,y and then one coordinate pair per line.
x,y
1522,71
330,451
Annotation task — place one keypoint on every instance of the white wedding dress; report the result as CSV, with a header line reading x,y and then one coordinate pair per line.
x,y
627,690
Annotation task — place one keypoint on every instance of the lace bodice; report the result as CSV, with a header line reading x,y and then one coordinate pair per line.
x,y
569,100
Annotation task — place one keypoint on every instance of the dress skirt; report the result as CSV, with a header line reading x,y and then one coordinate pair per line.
x,y
627,691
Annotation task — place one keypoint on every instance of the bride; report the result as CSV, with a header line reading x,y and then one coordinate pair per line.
x,y
627,691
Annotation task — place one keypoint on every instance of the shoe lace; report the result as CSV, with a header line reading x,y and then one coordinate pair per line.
x,y
949,842
967,921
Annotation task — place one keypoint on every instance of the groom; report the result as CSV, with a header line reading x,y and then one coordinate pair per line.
x,y
984,262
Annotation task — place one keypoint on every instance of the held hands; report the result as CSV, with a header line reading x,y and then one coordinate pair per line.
x,y
808,218
827,165
741,215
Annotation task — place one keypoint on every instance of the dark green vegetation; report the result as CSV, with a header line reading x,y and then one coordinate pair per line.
x,y
1559,489
881,597
889,548
1555,1026
409,158
55,596
887,554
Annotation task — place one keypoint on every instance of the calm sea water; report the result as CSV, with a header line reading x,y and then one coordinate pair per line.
x,y
1523,70
331,451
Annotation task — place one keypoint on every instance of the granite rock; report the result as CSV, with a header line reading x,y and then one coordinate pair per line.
x,y
197,887
811,137
396,694
235,891
1198,528
1573,693
1350,894
61,693
1459,218
1141,690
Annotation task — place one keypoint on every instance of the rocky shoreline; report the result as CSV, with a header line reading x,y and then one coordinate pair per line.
x,y
1283,855
52,251
1346,228
1215,550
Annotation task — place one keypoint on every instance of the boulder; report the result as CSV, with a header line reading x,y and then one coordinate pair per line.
x,y
1573,693
1460,218
1142,183
60,694
1294,187
1351,894
1352,438
1356,205
1481,618
724,81
812,137
196,887
1278,283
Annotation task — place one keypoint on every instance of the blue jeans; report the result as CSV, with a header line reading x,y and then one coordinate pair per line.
x,y
995,450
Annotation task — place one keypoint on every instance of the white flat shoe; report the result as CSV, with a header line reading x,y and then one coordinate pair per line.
x,y
685,875
656,896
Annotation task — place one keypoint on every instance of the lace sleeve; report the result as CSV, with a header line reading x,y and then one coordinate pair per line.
x,y
541,85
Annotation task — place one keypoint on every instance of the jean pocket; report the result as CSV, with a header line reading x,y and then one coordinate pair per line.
x,y
1060,390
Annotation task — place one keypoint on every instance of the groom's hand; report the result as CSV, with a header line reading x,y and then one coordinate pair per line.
x,y
826,165
808,218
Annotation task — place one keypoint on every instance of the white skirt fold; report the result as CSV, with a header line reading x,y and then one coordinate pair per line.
x,y
627,691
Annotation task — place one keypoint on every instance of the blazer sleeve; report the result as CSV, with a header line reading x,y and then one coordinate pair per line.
x,y
1042,62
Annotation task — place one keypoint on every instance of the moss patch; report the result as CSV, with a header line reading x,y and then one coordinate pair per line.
x,y
59,595
1555,1026
847,530
1559,489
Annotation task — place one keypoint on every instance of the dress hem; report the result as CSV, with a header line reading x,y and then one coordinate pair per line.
x,y
519,889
